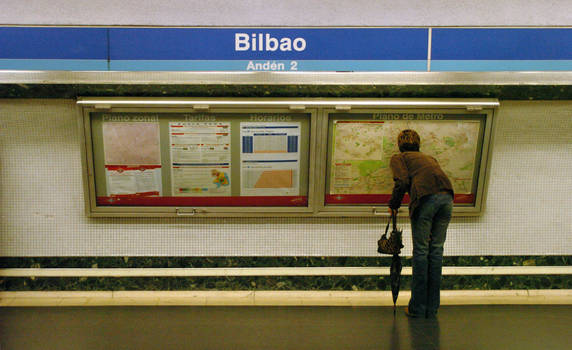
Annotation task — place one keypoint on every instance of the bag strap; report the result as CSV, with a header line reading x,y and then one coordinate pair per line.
x,y
394,219
388,222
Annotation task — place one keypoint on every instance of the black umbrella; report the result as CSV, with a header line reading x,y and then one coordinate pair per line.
x,y
395,269
392,245
395,278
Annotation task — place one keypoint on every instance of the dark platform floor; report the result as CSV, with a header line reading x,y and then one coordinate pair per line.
x,y
457,327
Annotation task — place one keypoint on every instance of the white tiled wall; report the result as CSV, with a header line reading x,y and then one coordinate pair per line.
x,y
528,209
288,13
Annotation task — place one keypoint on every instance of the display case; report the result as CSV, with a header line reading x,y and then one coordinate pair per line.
x,y
357,176
272,157
175,159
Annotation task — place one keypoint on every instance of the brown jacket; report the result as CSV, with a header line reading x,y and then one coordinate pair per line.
x,y
420,175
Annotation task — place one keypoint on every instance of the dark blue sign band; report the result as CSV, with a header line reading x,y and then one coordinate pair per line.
x,y
53,43
501,44
456,49
268,44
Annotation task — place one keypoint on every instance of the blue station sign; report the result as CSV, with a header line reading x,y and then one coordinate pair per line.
x,y
285,49
269,49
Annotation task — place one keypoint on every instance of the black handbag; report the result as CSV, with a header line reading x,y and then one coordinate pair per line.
x,y
393,244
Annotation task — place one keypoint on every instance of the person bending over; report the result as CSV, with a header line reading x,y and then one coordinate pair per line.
x,y
430,207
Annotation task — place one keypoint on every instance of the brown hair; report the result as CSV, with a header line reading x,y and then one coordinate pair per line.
x,y
408,140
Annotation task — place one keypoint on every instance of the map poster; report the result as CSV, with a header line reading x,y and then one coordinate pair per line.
x,y
357,156
270,159
132,158
361,151
131,143
200,158
452,142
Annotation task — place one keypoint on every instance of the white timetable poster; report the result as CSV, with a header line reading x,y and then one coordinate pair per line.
x,y
270,159
200,158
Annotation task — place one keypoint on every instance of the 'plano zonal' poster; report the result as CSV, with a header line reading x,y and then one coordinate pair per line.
x,y
132,158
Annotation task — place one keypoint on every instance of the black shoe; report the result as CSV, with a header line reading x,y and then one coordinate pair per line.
x,y
408,314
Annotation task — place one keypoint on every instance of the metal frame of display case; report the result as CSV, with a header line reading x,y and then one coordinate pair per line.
x,y
157,106
376,210
317,107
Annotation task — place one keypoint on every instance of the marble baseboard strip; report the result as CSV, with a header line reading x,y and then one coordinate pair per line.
x,y
276,298
274,271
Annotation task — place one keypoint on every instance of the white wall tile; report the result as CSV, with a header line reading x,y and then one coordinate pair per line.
x,y
288,13
528,212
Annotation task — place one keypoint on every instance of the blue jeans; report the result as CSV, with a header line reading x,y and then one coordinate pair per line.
x,y
429,228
